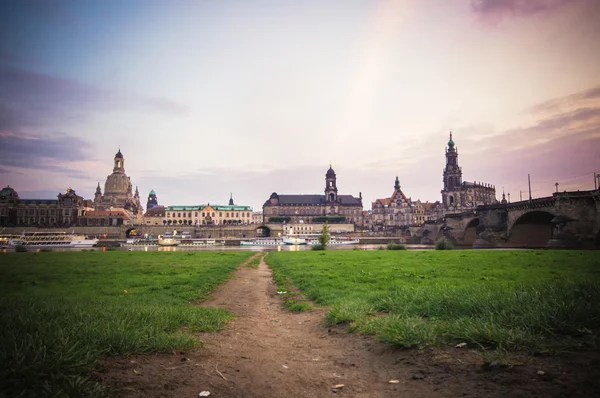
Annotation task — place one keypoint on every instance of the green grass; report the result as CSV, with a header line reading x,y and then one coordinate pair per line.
x,y
63,311
254,261
508,300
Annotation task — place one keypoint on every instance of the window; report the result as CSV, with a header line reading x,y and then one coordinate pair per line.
x,y
178,214
226,214
196,214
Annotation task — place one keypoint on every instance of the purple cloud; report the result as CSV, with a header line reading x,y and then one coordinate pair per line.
x,y
30,99
497,9
555,105
42,152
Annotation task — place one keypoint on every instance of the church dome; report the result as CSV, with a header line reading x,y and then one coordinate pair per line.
x,y
119,154
8,193
152,193
330,173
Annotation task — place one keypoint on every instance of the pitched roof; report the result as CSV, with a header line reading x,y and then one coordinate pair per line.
x,y
202,207
344,200
39,201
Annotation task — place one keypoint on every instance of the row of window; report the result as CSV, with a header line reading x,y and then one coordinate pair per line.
x,y
237,215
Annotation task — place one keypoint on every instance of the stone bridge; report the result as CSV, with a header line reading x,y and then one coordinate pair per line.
x,y
565,219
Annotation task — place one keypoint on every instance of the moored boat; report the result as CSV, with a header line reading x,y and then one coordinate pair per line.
x,y
48,239
262,242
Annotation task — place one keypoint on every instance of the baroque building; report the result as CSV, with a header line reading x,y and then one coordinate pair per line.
x,y
315,208
459,195
64,211
395,211
118,192
208,215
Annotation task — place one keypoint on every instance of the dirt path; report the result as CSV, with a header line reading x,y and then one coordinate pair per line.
x,y
269,352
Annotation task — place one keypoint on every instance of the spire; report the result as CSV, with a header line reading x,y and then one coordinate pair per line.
x,y
397,184
450,142
230,199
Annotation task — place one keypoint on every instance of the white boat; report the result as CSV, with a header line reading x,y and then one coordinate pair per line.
x,y
49,239
202,242
295,240
262,242
335,241
168,241
313,239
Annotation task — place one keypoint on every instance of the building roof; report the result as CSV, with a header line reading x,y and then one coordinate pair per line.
x,y
155,211
344,200
38,201
119,154
215,207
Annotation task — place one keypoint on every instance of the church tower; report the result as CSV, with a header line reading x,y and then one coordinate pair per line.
x,y
452,176
330,186
231,199
97,195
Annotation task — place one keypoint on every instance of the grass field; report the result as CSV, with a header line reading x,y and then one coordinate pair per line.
x,y
505,300
62,311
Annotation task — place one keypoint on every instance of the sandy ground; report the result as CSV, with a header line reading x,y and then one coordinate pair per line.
x,y
269,352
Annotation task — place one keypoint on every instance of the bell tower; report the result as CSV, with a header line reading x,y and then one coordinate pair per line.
x,y
452,172
330,186
452,177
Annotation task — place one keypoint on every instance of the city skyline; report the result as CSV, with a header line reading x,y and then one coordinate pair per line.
x,y
210,98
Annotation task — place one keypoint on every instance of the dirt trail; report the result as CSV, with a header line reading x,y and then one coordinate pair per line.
x,y
269,352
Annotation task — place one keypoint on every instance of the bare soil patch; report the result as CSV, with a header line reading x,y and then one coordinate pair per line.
x,y
269,352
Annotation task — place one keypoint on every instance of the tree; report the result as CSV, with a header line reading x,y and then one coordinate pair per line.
x,y
324,236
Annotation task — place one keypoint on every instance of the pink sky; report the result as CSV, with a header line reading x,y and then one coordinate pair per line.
x,y
206,98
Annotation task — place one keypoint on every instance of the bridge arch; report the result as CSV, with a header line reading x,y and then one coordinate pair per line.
x,y
263,231
470,233
531,229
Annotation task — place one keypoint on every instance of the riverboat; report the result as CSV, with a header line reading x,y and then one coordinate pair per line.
x,y
48,239
262,242
313,239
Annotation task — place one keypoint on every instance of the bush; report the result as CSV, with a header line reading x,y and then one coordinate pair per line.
x,y
395,246
444,244
45,250
318,246
21,249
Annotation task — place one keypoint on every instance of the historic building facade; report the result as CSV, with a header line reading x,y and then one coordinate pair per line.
x,y
208,215
305,208
459,195
63,211
395,211
118,192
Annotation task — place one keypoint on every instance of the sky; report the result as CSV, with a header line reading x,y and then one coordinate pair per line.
x,y
207,98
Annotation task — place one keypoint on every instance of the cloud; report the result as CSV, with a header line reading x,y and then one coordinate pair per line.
x,y
495,10
42,152
583,98
563,142
33,99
